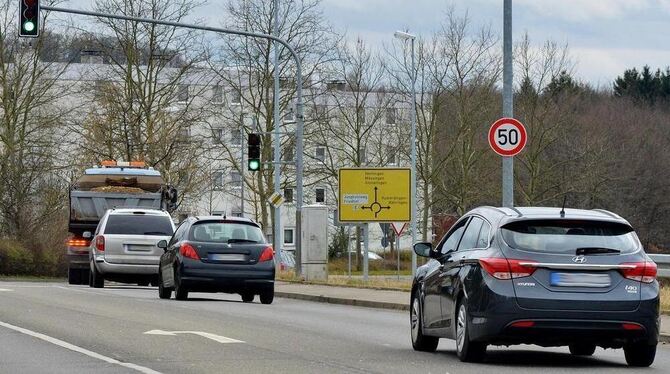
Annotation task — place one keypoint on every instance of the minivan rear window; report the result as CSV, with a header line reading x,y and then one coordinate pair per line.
x,y
567,236
226,232
138,224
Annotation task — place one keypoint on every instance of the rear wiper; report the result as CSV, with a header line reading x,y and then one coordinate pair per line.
x,y
156,233
595,250
241,241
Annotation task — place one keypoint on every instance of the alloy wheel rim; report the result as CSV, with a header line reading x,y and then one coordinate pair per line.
x,y
414,318
460,328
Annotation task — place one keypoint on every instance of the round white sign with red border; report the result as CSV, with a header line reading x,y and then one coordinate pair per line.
x,y
507,137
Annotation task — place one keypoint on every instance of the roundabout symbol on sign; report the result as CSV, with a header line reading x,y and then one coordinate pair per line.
x,y
507,137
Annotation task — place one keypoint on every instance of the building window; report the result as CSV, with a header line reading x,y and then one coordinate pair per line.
x,y
235,179
390,116
217,180
285,83
289,153
320,195
184,132
217,135
320,112
217,95
218,214
237,212
288,236
288,195
392,157
235,98
320,153
182,93
289,115
361,114
236,137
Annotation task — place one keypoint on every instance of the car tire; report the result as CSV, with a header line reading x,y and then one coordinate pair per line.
x,y
247,297
640,354
467,350
73,276
180,292
420,342
163,292
267,296
582,349
97,280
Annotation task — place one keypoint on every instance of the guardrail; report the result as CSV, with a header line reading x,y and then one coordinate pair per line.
x,y
663,263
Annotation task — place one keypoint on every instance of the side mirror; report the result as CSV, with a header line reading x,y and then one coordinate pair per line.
x,y
87,235
162,244
423,249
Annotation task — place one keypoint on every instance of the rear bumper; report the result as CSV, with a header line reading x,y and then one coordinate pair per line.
x,y
105,268
206,277
493,315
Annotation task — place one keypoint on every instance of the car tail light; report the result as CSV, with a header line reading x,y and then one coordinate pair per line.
x,y
188,251
632,326
267,255
524,324
100,243
502,268
78,242
644,272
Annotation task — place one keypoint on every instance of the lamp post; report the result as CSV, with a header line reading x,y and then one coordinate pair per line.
x,y
407,36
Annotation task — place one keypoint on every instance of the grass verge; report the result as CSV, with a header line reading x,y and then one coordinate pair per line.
x,y
29,278
665,299
377,284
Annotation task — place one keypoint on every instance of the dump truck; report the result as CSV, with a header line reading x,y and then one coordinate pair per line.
x,y
108,186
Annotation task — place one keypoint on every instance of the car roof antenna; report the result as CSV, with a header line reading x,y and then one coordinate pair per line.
x,y
565,197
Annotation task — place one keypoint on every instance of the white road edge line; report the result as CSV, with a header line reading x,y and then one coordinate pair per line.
x,y
77,349
5,290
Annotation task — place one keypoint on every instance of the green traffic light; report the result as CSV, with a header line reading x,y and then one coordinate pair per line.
x,y
254,165
29,26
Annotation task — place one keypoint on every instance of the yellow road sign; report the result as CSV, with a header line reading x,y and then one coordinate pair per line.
x,y
374,195
276,199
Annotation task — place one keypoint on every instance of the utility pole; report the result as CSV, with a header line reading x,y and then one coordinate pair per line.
x,y
277,238
508,103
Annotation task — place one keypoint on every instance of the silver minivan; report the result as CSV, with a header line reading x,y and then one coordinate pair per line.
x,y
123,247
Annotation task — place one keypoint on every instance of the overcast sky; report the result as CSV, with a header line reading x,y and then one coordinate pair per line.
x,y
605,36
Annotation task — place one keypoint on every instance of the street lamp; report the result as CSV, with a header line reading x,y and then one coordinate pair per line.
x,y
407,36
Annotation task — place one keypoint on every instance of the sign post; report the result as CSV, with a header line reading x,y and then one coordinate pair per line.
x,y
399,228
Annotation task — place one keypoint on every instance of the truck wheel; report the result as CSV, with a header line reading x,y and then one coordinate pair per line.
x,y
97,280
73,276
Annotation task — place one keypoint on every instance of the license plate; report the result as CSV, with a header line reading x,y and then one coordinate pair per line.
x,y
227,257
580,280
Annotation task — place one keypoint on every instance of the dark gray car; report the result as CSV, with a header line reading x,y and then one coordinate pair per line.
x,y
545,276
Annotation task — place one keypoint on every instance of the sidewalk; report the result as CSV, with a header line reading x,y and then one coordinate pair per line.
x,y
397,300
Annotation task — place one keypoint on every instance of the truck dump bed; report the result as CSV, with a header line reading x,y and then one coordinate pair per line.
x,y
88,207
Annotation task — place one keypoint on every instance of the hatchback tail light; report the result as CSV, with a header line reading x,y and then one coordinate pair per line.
x,y
266,255
644,272
100,243
503,268
188,251
78,242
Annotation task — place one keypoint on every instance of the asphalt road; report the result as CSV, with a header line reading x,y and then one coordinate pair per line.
x,y
54,328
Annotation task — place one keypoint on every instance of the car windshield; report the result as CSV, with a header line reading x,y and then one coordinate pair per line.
x,y
227,232
138,224
570,237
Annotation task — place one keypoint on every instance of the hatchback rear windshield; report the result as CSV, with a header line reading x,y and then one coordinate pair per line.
x,y
227,232
138,224
566,236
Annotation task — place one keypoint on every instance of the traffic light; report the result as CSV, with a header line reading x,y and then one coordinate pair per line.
x,y
254,154
29,18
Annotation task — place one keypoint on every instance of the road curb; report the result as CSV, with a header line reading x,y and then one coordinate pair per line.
x,y
342,301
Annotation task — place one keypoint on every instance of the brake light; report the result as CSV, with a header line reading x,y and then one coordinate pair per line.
x,y
502,268
644,272
77,242
267,255
188,251
100,243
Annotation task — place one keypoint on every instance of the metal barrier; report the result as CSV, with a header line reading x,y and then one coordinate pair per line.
x,y
663,263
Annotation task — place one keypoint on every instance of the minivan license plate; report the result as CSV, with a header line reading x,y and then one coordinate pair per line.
x,y
580,280
227,257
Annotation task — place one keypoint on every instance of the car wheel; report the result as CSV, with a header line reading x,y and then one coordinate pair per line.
x,y
467,350
247,297
163,292
180,292
97,280
582,349
640,354
420,342
73,276
267,296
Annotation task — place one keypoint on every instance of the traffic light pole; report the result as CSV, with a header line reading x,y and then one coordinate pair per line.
x,y
299,102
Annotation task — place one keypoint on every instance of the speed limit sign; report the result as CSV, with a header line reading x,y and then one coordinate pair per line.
x,y
507,137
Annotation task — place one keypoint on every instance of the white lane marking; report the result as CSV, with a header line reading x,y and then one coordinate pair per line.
x,y
5,290
216,338
77,349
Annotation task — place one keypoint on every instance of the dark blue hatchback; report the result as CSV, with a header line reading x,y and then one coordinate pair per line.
x,y
545,276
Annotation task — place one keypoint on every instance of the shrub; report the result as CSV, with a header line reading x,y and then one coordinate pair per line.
x,y
15,258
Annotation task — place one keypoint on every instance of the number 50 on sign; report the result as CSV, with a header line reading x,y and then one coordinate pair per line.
x,y
507,137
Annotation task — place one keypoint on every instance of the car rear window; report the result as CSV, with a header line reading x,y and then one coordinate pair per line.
x,y
566,236
138,224
227,232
